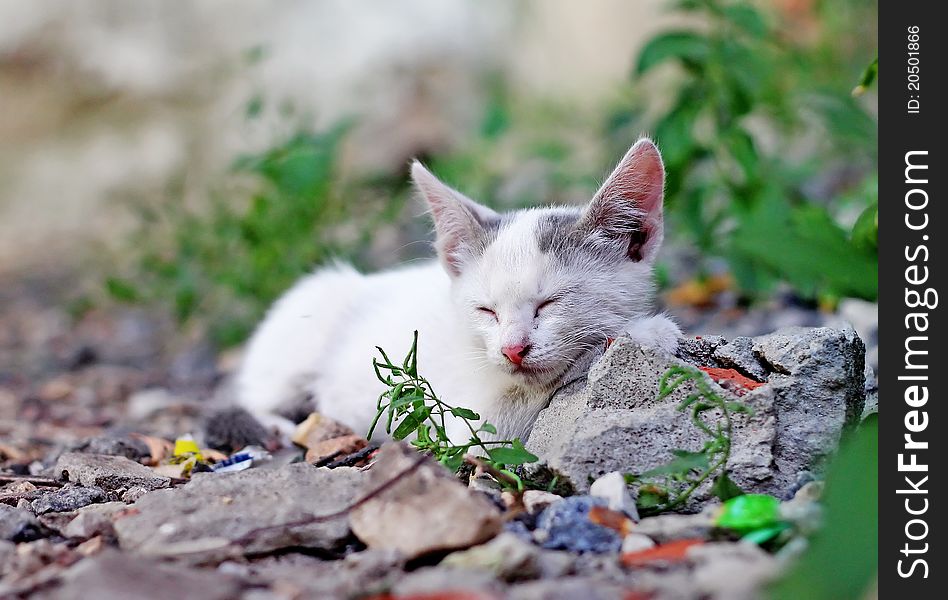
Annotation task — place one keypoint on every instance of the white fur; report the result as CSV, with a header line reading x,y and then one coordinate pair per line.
x,y
320,337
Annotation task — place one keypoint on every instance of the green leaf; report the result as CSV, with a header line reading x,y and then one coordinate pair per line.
x,y
453,463
487,428
724,488
748,512
747,18
805,247
690,48
765,534
121,289
683,462
865,234
651,496
465,413
514,455
411,423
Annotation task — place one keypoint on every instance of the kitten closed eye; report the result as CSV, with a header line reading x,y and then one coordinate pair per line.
x,y
543,305
488,311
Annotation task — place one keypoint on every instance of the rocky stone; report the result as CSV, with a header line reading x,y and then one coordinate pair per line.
x,y
116,445
111,473
636,542
18,525
569,588
537,500
68,498
670,527
510,558
700,350
426,510
739,354
817,390
615,422
360,574
339,446
113,575
612,488
872,393
200,520
93,520
566,526
318,428
449,584
713,568
133,493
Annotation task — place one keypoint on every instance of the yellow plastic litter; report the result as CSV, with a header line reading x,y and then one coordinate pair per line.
x,y
186,447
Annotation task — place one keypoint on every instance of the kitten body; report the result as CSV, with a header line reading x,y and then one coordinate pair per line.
x,y
514,303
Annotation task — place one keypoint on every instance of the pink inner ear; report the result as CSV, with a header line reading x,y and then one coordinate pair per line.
x,y
630,202
640,177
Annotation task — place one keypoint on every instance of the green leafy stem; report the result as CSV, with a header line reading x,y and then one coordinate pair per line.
x,y
410,405
671,485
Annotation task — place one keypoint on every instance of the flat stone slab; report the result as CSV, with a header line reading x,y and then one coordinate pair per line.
x,y
199,521
111,473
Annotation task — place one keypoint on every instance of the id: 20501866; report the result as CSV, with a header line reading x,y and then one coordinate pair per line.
x,y
914,78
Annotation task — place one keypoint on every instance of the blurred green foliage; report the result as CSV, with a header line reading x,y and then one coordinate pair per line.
x,y
760,136
228,260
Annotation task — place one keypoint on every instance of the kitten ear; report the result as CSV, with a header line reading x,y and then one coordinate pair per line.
x,y
628,206
459,221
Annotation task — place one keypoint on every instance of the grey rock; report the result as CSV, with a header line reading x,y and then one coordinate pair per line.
x,y
19,525
93,520
637,542
614,421
714,565
669,527
115,445
68,498
116,576
510,558
700,350
200,520
872,393
817,391
438,580
739,354
296,575
569,588
426,510
537,500
566,526
133,493
612,488
111,473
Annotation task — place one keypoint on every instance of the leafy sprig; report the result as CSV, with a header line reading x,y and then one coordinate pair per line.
x,y
670,485
410,406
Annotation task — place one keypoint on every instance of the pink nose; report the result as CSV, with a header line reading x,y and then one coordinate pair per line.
x,y
515,353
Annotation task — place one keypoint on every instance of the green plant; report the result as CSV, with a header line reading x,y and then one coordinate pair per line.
x,y
410,405
757,121
225,259
670,485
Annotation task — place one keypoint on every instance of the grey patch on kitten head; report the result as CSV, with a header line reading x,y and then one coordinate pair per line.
x,y
556,229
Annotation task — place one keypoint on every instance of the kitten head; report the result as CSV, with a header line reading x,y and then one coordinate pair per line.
x,y
540,287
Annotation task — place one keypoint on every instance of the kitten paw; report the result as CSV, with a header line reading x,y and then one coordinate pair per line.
x,y
657,331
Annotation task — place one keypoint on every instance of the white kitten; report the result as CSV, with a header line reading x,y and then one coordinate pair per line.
x,y
517,299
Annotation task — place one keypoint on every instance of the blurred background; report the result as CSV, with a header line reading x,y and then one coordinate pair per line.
x,y
167,169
